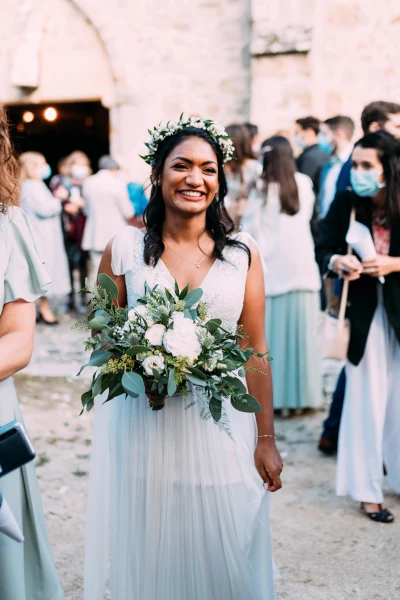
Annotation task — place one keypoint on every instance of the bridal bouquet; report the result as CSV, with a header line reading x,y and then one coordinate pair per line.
x,y
165,345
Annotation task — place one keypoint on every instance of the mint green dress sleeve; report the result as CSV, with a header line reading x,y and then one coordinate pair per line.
x,y
25,276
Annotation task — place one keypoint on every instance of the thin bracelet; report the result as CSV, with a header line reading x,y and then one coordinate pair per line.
x,y
267,435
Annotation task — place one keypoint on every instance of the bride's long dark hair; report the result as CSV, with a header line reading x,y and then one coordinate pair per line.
x,y
218,223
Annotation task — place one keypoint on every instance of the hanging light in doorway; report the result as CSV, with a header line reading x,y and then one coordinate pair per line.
x,y
50,114
28,116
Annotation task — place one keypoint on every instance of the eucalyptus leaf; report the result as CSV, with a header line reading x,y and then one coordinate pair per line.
x,y
98,323
86,397
195,380
132,383
171,383
98,358
246,403
97,388
213,325
136,350
215,409
193,297
108,285
237,384
197,373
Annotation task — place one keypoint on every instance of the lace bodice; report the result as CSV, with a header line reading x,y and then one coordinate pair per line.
x,y
223,286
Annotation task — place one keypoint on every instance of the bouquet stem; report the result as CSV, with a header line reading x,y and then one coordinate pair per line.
x,y
157,404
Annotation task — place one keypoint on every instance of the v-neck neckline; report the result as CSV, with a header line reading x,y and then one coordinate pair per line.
x,y
168,272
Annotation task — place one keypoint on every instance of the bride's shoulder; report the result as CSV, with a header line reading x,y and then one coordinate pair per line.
x,y
245,239
126,249
13,218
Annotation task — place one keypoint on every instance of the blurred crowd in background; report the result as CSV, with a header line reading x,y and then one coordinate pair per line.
x,y
280,191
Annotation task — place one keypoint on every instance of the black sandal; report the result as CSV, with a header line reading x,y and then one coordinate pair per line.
x,y
383,516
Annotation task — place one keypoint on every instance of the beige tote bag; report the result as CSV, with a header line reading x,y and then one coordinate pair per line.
x,y
334,333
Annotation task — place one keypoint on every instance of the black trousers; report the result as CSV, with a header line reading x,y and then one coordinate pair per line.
x,y
332,423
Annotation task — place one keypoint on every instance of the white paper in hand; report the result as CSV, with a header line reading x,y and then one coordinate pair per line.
x,y
360,239
8,524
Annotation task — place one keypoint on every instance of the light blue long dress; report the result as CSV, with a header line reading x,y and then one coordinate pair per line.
x,y
44,213
27,570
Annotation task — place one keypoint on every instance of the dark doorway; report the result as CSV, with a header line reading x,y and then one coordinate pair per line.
x,y
57,129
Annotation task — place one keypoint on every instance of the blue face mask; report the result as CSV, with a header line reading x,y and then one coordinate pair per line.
x,y
366,183
324,143
45,171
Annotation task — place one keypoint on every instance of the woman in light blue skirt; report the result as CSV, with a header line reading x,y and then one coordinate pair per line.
x,y
279,217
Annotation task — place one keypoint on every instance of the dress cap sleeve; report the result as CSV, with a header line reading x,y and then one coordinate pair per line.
x,y
127,245
25,276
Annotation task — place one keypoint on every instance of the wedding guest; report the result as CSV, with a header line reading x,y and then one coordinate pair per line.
x,y
241,173
376,116
334,138
312,158
44,211
107,208
27,570
369,434
254,136
68,188
278,216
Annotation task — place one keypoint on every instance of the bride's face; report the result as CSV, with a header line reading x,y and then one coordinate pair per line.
x,y
190,177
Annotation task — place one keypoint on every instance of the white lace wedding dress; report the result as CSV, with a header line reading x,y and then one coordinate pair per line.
x,y
176,505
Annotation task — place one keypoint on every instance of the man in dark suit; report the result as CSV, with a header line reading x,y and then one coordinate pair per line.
x,y
312,159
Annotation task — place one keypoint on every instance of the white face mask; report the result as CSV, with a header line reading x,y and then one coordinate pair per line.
x,y
300,143
79,171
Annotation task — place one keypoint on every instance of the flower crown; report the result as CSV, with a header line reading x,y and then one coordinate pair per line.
x,y
216,131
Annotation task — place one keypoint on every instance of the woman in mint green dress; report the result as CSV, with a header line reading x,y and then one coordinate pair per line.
x,y
27,570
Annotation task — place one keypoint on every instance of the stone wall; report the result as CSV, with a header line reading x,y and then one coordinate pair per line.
x,y
353,59
148,61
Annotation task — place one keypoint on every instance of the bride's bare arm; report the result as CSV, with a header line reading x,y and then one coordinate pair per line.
x,y
259,381
105,267
17,326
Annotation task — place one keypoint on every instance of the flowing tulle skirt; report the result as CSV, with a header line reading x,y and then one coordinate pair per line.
x,y
179,503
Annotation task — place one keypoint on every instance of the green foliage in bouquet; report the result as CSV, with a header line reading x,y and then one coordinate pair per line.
x,y
165,344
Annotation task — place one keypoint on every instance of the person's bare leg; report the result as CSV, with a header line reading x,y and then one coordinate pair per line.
x,y
45,310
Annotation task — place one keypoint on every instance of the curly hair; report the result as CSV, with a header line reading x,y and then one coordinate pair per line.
x,y
218,223
9,169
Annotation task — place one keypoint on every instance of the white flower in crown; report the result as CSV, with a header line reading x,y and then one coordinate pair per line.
x,y
216,130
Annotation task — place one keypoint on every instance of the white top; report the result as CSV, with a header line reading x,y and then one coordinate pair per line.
x,y
285,242
329,185
107,208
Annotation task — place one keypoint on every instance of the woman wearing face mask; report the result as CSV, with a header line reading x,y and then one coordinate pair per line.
x,y
44,211
68,187
369,438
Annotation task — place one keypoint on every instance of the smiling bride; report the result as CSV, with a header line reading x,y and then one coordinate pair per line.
x,y
179,508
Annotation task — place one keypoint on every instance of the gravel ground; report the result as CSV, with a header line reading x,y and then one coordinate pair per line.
x,y
324,548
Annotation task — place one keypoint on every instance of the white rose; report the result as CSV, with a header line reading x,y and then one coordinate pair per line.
x,y
155,335
139,310
153,362
182,340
